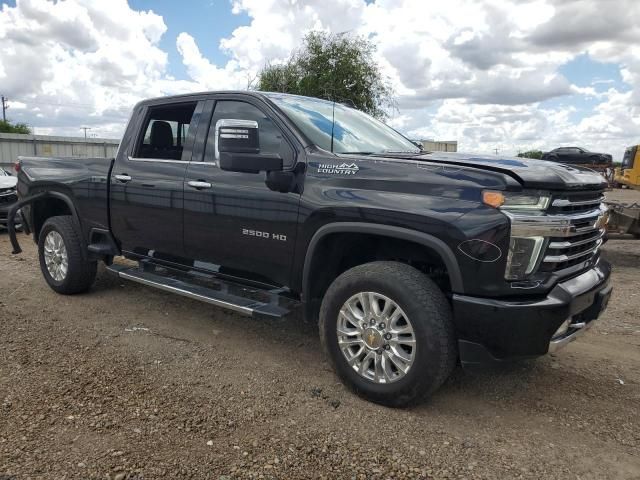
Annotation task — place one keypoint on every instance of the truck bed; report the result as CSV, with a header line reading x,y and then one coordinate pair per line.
x,y
84,180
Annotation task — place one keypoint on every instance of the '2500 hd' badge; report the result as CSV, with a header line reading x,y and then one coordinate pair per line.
x,y
342,169
261,234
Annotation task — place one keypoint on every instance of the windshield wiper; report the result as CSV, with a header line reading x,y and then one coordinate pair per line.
x,y
383,152
402,151
356,153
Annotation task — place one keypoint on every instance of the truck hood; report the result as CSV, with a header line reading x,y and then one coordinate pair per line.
x,y
7,182
530,173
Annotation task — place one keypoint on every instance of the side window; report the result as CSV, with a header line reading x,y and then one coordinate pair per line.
x,y
629,157
165,131
271,139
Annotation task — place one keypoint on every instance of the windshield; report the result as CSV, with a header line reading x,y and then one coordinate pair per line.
x,y
353,132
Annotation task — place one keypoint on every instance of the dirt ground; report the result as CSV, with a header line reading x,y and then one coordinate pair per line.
x,y
129,382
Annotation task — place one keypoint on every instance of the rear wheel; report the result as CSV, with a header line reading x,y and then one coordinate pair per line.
x,y
387,329
61,258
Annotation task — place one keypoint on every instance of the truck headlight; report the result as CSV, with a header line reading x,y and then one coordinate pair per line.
x,y
524,250
516,200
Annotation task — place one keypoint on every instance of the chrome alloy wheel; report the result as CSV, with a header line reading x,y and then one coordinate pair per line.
x,y
376,337
55,256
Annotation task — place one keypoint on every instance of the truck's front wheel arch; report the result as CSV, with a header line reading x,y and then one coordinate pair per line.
x,y
335,248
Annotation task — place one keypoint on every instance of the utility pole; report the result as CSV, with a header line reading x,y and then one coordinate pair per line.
x,y
5,105
85,132
496,150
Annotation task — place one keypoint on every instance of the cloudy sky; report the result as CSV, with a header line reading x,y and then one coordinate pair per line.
x,y
510,75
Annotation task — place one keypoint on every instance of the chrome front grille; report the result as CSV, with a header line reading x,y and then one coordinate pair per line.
x,y
580,242
576,202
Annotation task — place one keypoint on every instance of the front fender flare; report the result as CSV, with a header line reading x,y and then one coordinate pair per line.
x,y
437,245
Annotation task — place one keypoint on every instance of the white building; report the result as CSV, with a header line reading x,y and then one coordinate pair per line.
x,y
439,146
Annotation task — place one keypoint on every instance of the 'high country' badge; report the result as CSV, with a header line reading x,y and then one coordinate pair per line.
x,y
342,169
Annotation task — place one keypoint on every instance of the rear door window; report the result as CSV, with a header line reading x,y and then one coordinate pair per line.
x,y
165,132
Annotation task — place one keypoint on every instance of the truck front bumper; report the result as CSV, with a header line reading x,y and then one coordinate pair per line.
x,y
493,330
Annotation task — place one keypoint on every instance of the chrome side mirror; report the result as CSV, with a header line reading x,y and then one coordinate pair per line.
x,y
236,136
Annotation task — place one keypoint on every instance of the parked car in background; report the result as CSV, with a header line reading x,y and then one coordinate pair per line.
x,y
577,156
8,195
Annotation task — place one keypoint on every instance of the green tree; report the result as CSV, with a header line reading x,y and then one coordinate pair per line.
x,y
531,154
8,127
334,67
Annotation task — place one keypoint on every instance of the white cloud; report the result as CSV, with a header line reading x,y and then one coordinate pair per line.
x,y
486,63
81,62
580,23
482,128
207,75
476,71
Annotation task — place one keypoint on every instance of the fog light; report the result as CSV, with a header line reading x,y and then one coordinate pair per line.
x,y
562,329
523,256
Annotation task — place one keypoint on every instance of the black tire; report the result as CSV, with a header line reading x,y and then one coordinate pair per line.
x,y
80,273
429,313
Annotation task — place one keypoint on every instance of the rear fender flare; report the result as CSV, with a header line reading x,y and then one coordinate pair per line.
x,y
29,200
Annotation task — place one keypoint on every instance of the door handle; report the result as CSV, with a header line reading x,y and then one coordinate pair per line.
x,y
124,178
198,184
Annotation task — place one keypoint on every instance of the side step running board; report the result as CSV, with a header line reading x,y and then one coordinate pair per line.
x,y
165,279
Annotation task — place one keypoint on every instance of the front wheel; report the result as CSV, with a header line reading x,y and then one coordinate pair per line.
x,y
387,330
61,257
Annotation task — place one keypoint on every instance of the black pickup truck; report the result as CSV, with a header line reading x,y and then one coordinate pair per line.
x,y
409,261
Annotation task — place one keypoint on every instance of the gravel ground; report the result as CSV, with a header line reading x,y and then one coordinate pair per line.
x,y
127,382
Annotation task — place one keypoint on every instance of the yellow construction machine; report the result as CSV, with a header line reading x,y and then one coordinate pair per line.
x,y
625,218
628,174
